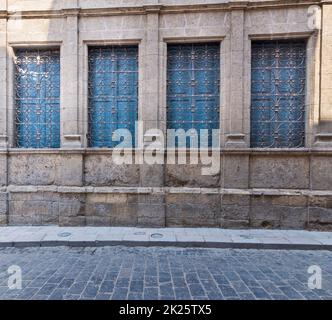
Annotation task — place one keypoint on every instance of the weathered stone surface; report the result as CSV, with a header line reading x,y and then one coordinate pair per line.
x,y
97,221
270,215
70,170
192,210
3,170
151,215
234,224
32,169
279,212
113,209
100,170
235,199
124,215
282,200
294,218
320,201
151,210
24,220
321,173
320,219
235,212
3,220
279,172
72,207
3,204
189,176
33,208
236,172
65,221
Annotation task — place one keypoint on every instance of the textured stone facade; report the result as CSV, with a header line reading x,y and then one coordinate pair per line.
x,y
76,185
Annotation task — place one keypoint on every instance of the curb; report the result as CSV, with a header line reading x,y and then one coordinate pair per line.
x,y
149,244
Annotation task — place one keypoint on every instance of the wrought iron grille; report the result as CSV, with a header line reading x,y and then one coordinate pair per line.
x,y
37,98
193,82
113,93
278,94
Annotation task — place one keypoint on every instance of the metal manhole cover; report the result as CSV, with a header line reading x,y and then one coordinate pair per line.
x,y
157,236
64,234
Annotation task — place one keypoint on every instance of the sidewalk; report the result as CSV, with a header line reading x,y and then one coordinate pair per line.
x,y
175,237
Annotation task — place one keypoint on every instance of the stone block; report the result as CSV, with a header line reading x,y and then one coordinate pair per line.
x,y
65,221
124,215
279,172
294,218
266,213
189,176
100,170
70,170
151,215
235,199
32,208
3,204
235,212
320,201
320,219
321,176
193,210
49,219
282,200
98,210
72,208
98,221
236,171
3,220
234,224
152,175
24,220
32,169
3,170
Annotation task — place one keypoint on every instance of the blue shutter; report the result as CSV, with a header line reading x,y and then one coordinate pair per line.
x,y
113,93
278,80
193,81
37,98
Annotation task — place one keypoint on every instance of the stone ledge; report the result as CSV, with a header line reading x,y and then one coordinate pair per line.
x,y
162,8
223,151
166,190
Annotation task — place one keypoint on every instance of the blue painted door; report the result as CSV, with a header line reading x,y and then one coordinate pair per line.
x,y
278,81
193,81
37,98
113,93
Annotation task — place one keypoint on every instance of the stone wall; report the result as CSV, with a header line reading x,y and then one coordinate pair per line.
x,y
76,185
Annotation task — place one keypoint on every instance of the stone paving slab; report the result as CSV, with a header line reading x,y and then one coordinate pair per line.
x,y
177,237
161,273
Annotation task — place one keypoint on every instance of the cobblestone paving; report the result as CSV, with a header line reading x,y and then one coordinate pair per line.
x,y
163,273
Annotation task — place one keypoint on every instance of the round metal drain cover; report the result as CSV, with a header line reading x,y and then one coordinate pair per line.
x,y
64,234
139,233
157,236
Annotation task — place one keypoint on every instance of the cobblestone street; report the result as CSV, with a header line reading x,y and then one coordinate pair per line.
x,y
163,273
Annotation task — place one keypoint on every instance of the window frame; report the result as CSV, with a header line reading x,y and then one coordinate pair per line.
x,y
11,112
311,104
222,85
84,94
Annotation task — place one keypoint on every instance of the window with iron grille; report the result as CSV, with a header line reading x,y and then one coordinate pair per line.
x,y
113,93
37,98
278,81
193,81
